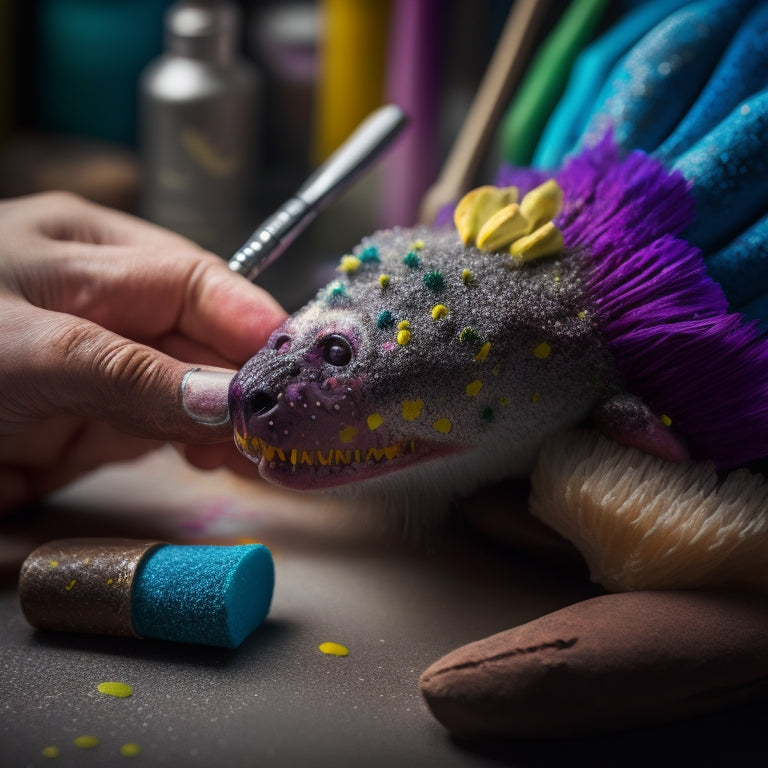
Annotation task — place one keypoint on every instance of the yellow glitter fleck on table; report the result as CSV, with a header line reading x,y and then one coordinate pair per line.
x,y
333,649
130,750
50,752
119,690
86,742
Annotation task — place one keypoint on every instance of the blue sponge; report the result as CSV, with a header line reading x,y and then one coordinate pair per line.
x,y
212,595
202,594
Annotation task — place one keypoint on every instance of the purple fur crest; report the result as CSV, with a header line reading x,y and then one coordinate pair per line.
x,y
665,321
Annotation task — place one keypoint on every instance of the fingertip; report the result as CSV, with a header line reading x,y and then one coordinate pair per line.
x,y
204,396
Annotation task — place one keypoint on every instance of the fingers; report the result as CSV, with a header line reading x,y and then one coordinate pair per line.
x,y
62,365
133,278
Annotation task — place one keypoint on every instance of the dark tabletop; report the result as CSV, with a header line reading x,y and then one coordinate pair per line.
x,y
397,603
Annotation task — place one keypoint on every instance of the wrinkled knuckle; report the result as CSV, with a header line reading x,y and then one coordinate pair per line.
x,y
117,365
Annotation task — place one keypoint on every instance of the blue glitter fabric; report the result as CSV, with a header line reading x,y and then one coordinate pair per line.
x,y
210,595
651,89
692,91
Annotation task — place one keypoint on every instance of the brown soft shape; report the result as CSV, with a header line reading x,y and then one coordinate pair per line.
x,y
614,661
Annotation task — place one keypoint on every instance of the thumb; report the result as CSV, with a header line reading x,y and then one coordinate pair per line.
x,y
78,367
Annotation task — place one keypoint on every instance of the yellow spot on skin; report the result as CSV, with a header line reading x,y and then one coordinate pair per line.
x,y
504,400
349,264
70,585
466,276
665,420
535,397
333,649
411,409
483,354
542,351
130,750
438,311
347,435
416,245
403,325
403,337
474,387
50,751
118,690
110,582
495,370
443,425
375,421
582,315
384,281
53,563
86,742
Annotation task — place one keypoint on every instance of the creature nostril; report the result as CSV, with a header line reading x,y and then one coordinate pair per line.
x,y
261,402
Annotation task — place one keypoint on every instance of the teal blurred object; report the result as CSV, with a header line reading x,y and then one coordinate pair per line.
x,y
89,55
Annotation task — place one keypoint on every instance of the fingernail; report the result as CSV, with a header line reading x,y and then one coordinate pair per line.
x,y
204,396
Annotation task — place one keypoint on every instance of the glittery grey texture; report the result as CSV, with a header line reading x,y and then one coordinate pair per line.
x,y
82,585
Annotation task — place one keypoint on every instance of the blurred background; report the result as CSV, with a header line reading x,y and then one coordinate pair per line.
x,y
206,116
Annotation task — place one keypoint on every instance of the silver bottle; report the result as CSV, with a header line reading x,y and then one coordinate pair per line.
x,y
198,128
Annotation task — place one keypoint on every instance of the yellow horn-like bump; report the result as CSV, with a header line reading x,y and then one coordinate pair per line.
x,y
542,203
477,206
502,228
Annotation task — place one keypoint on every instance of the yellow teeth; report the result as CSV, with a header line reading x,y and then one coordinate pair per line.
x,y
332,457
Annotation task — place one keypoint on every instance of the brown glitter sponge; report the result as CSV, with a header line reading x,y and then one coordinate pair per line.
x,y
615,661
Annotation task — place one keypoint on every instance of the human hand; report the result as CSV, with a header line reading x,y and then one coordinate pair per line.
x,y
101,316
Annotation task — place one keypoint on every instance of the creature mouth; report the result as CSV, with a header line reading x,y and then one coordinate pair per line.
x,y
311,469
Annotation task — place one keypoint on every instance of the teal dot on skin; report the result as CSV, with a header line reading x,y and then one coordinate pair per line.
x,y
369,254
434,281
385,319
411,260
487,414
335,293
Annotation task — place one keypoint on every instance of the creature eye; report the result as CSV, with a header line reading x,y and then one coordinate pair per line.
x,y
281,343
336,350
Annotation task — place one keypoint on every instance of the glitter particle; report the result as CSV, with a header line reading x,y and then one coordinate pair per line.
x,y
369,254
411,260
385,319
542,350
483,353
118,690
411,409
468,335
384,281
443,425
333,649
130,750
50,751
474,387
439,311
434,281
349,264
86,742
